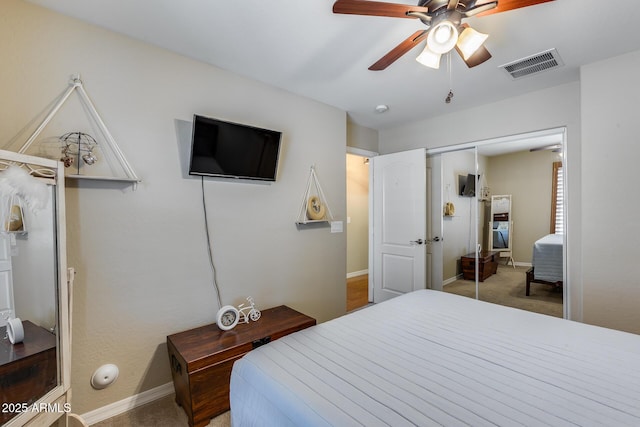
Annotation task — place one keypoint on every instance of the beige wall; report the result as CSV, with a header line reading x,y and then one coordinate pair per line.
x,y
362,137
141,260
611,149
359,138
528,178
357,214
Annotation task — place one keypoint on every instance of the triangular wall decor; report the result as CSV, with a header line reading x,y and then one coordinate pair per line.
x,y
75,85
314,207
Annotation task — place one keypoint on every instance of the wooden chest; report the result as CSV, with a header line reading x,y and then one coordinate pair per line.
x,y
28,370
201,359
487,265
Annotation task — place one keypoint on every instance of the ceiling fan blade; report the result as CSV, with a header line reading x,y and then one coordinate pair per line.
x,y
478,57
399,50
376,8
475,10
505,5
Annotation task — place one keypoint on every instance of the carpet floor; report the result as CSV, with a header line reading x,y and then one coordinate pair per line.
x,y
163,412
507,287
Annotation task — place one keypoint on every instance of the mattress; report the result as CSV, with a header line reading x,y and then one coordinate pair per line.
x,y
433,358
547,258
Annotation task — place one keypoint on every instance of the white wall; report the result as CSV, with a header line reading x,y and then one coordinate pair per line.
x,y
550,108
611,151
140,256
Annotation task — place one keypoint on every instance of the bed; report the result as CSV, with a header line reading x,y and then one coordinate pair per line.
x,y
547,262
433,358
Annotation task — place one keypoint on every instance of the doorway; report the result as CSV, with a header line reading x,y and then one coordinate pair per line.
x,y
357,227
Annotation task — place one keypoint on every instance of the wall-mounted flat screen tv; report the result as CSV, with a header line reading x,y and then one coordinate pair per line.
x,y
233,150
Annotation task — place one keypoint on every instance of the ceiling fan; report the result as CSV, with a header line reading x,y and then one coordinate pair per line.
x,y
445,29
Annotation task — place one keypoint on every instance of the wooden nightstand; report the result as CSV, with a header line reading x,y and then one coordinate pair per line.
x,y
201,359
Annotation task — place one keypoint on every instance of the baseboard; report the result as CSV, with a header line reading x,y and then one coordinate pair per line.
x,y
523,264
124,405
451,279
357,273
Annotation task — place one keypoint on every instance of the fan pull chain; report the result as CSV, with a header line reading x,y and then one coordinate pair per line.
x,y
450,94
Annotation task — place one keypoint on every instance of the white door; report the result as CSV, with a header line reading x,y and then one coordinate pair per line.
x,y
399,224
435,206
6,281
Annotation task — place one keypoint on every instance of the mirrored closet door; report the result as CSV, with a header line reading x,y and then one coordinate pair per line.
x,y
510,215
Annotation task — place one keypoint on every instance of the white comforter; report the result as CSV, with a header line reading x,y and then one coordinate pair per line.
x,y
432,358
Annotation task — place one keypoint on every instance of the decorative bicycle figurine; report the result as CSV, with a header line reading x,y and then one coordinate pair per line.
x,y
229,316
253,313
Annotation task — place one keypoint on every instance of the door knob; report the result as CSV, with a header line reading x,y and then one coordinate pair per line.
x,y
418,242
435,239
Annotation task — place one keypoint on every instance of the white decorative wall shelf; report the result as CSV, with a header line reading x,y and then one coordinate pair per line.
x,y
315,208
75,85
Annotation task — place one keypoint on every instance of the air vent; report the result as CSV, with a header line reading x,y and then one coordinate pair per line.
x,y
533,64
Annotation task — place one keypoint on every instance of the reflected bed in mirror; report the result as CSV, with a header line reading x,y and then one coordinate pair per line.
x,y
33,287
500,234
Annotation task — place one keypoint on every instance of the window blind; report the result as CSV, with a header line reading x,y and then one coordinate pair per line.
x,y
557,208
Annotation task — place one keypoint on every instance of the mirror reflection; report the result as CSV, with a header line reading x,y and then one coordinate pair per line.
x,y
28,284
500,235
500,238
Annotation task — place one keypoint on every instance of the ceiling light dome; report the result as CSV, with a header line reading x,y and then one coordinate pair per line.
x,y
470,41
429,58
442,37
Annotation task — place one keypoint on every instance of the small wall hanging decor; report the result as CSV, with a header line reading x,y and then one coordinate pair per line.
x,y
314,207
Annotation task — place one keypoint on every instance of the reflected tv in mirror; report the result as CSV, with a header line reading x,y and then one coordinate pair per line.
x,y
467,185
232,150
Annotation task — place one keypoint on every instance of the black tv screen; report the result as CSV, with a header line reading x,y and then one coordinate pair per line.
x,y
232,150
467,185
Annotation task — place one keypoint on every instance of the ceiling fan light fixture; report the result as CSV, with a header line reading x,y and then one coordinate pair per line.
x,y
470,41
428,58
442,37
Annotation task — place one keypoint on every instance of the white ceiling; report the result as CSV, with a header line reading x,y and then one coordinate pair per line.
x,y
302,47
